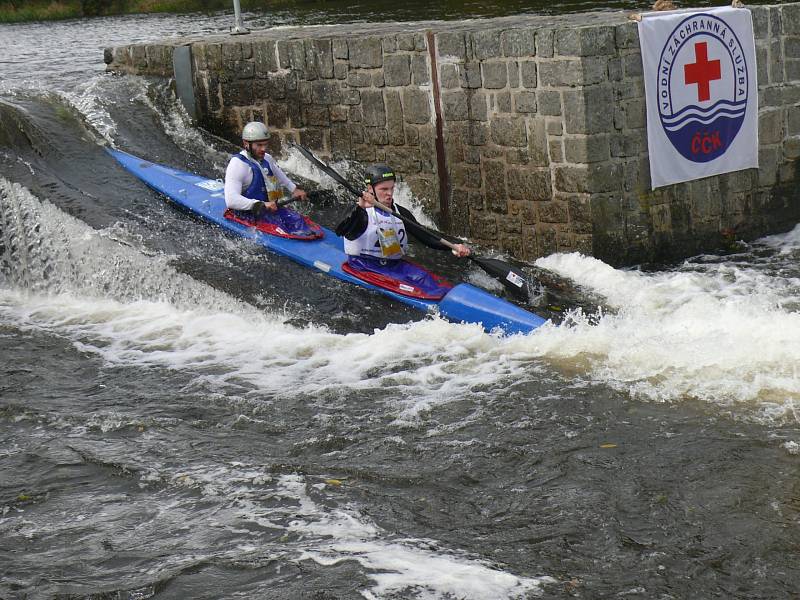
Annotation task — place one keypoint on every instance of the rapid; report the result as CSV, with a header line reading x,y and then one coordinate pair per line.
x,y
185,415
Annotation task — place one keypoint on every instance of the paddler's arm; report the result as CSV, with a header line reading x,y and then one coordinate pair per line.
x,y
237,178
427,238
354,224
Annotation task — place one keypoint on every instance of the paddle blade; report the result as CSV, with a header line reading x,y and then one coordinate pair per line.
x,y
514,279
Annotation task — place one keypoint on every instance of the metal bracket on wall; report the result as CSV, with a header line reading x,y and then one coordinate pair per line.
x,y
184,85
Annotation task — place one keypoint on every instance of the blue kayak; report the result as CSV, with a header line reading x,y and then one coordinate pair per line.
x,y
464,303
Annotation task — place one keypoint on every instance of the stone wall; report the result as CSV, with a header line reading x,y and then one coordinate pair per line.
x,y
525,133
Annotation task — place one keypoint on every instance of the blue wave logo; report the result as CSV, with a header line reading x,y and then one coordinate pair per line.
x,y
702,87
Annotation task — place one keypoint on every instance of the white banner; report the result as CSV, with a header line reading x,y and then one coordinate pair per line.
x,y
701,91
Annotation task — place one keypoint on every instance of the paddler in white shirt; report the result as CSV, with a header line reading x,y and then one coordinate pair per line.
x,y
376,241
254,182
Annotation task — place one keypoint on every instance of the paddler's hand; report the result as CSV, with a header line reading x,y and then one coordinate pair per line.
x,y
272,206
460,250
299,193
258,208
367,200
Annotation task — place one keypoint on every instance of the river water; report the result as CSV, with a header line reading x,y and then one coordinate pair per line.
x,y
184,415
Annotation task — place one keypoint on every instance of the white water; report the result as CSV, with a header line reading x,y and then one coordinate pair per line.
x,y
720,335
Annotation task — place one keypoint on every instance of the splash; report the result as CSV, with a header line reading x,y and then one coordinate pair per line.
x,y
721,334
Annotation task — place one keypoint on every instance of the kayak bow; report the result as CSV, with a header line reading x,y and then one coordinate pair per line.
x,y
204,197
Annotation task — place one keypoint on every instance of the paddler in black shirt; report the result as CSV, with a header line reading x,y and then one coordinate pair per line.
x,y
376,241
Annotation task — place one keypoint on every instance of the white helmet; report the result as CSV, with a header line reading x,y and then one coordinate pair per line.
x,y
255,131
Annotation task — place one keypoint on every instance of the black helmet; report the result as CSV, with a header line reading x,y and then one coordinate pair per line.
x,y
377,173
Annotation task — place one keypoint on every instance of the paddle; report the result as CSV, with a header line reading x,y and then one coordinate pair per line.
x,y
514,279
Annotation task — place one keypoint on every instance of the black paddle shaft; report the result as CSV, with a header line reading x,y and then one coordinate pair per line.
x,y
514,279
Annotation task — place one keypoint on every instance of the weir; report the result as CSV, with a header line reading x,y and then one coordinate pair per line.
x,y
525,133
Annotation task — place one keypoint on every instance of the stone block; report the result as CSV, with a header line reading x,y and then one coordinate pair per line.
x,y
770,126
615,69
470,74
325,92
397,70
394,118
373,108
359,79
525,102
793,120
265,57
340,49
785,20
580,114
570,72
513,73
318,116
452,45
448,76
323,58
351,97
529,184
454,105
586,41
545,43
231,52
138,55
244,69
365,52
502,102
419,70
467,176
537,143
476,133
338,113
633,65
594,178
486,44
626,36
377,136
416,106
528,74
518,156
340,70
548,102
586,149
389,44
509,131
483,226
378,79
760,16
791,47
292,55
552,211
478,106
792,70
518,42
762,62
555,149
405,41
776,62
495,75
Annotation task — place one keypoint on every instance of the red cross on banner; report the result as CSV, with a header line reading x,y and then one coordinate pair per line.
x,y
702,72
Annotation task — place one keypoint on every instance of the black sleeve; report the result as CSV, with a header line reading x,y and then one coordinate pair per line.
x,y
423,235
354,224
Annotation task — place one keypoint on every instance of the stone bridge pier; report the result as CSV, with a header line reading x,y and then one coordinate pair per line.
x,y
523,133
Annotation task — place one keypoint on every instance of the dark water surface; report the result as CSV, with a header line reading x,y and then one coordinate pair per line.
x,y
183,415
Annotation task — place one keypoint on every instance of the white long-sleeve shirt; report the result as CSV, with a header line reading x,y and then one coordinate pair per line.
x,y
238,178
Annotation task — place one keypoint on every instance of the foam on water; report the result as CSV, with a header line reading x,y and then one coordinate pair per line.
x,y
720,334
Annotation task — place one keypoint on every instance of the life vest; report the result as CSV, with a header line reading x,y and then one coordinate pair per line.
x,y
385,237
265,186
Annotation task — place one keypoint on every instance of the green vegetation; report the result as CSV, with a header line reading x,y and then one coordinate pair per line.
x,y
15,11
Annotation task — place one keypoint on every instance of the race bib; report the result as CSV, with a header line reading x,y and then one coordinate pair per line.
x,y
390,243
